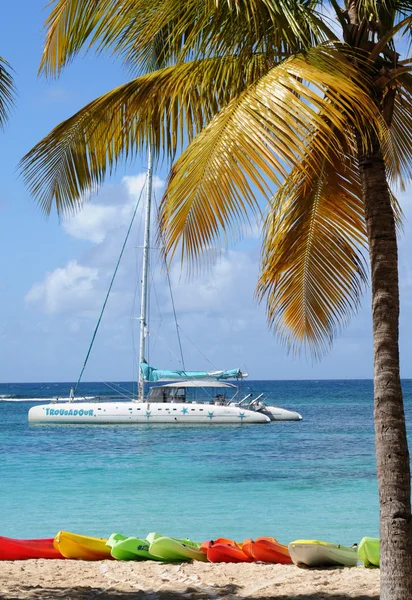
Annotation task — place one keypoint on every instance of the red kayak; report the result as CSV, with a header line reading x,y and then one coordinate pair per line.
x,y
11,549
228,552
267,549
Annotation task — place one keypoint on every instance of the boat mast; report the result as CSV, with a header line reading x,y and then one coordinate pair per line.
x,y
145,271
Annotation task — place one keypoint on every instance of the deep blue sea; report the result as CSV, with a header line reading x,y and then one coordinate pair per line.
x,y
309,479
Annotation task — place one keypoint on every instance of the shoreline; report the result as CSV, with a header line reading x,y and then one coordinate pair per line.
x,y
121,580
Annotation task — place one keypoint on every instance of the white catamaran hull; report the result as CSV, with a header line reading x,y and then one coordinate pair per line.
x,y
142,412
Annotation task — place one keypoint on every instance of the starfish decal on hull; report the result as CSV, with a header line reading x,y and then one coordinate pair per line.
x,y
184,411
242,416
148,414
211,415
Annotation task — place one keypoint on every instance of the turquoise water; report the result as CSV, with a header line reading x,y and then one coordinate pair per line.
x,y
309,479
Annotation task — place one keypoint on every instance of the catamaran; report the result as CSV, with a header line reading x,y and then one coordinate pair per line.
x,y
175,402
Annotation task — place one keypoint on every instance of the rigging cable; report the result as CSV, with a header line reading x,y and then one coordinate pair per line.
x,y
175,315
198,349
116,389
108,293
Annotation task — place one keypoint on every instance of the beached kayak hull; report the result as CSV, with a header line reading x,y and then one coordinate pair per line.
x,y
81,547
227,552
204,546
313,553
171,549
369,551
13,549
130,548
268,550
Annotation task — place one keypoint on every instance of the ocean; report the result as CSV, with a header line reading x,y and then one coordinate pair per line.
x,y
313,479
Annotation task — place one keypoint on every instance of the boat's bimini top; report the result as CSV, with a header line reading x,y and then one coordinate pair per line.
x,y
197,384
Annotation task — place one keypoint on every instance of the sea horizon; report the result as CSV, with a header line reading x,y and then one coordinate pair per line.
x,y
85,381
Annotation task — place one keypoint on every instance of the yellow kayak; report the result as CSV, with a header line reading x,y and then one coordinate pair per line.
x,y
81,547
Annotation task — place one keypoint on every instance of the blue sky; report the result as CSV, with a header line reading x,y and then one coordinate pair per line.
x,y
55,276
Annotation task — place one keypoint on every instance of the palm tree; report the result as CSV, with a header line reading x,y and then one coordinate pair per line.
x,y
6,91
268,97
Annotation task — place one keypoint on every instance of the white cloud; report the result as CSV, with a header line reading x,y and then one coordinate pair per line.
x,y
228,284
135,183
93,222
68,288
78,289
96,220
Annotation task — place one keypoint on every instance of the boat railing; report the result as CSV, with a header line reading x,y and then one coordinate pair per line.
x,y
255,404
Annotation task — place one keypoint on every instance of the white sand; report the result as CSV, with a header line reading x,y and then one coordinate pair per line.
x,y
110,580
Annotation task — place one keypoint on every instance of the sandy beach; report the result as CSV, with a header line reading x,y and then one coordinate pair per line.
x,y
110,580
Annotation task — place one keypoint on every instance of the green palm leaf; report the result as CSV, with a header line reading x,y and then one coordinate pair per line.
x,y
180,30
167,107
255,140
313,271
399,157
6,91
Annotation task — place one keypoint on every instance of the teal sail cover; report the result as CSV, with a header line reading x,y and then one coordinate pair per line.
x,y
152,374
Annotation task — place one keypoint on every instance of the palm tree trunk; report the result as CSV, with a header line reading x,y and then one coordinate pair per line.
x,y
392,455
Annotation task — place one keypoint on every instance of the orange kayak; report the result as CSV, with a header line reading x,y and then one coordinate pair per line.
x,y
206,545
226,552
267,549
247,547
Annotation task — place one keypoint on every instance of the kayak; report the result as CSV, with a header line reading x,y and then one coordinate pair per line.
x,y
206,545
129,548
173,549
369,551
267,549
313,553
151,537
81,547
114,538
226,552
12,549
115,541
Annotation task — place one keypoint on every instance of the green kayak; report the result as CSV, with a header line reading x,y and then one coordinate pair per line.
x,y
369,551
173,549
151,537
129,548
114,538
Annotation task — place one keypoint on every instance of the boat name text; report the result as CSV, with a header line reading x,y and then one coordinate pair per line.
x,y
69,413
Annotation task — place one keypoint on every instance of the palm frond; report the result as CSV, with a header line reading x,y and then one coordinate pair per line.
x,y
167,107
387,12
398,157
180,30
253,142
313,271
69,26
7,91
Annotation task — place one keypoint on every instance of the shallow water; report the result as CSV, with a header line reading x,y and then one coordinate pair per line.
x,y
309,479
